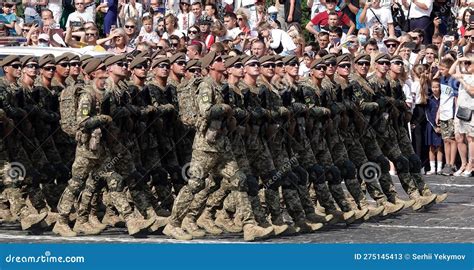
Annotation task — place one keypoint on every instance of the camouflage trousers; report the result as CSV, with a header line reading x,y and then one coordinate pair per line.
x,y
389,145
193,196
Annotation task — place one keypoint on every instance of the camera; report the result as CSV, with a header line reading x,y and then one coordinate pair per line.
x,y
76,24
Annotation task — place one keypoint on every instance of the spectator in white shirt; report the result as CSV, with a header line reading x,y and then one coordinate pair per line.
x,y
79,16
373,14
277,40
419,15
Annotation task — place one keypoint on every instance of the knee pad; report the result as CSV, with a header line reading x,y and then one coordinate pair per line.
x,y
252,185
159,177
415,163
402,164
196,184
302,175
273,180
239,181
348,170
334,175
317,175
383,163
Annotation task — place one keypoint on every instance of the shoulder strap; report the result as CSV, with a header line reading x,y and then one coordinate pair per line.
x,y
376,17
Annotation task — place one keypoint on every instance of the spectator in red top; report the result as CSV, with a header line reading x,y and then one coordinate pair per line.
x,y
322,19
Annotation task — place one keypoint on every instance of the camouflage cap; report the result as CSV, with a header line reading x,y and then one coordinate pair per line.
x,y
362,58
343,58
289,59
115,59
267,58
160,60
10,59
144,54
396,58
137,61
73,56
317,62
230,61
329,58
46,59
61,58
207,60
278,58
85,57
176,57
193,63
382,56
28,59
92,65
249,59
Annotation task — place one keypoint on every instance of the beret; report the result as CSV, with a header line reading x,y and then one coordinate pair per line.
x,y
28,58
230,61
160,60
343,58
73,56
329,57
396,58
177,56
382,56
92,65
137,61
85,57
62,57
10,59
363,56
267,58
317,62
193,63
207,60
278,58
289,59
46,59
115,59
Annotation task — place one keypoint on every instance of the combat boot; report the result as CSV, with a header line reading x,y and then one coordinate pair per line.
x,y
206,222
62,228
83,226
342,217
190,226
51,217
421,201
390,208
360,214
439,197
6,216
176,233
135,225
306,227
320,218
160,222
253,232
373,211
110,218
95,222
223,221
406,203
29,220
281,228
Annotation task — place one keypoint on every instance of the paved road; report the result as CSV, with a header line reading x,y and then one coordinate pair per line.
x,y
447,222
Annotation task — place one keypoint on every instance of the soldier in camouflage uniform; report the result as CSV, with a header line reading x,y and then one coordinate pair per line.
x,y
75,75
350,134
92,157
400,126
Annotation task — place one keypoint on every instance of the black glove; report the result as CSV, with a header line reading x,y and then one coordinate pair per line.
x,y
219,110
382,102
121,112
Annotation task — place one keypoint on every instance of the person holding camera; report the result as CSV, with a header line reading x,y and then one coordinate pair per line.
x,y
78,17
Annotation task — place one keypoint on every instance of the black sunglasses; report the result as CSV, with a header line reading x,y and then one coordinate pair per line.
x,y
392,45
181,63
65,65
321,68
103,68
279,64
398,63
193,32
218,60
238,65
159,47
174,44
331,64
16,66
130,26
345,66
141,66
384,63
367,64
90,34
467,63
35,66
122,64
240,19
270,65
293,64
194,70
253,64
75,64
165,66
50,68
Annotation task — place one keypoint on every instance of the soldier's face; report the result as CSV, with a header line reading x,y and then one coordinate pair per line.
x,y
63,69
75,68
362,67
31,69
331,67
252,68
396,66
279,68
48,71
218,65
237,70
268,69
179,67
292,68
344,69
120,68
140,71
383,66
319,71
14,69
162,70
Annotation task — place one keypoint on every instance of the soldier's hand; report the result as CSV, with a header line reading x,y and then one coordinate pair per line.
x,y
283,111
326,111
105,118
167,108
382,102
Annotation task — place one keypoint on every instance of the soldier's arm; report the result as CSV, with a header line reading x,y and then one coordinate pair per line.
x,y
364,105
88,122
205,100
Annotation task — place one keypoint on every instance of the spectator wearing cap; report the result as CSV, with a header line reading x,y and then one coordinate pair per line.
x,y
392,45
277,40
130,10
8,18
377,17
29,71
322,19
47,66
205,31
11,66
43,40
80,16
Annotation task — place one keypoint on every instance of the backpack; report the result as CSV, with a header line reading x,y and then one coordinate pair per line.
x,y
68,102
188,108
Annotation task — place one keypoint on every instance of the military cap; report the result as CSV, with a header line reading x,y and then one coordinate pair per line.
x,y
289,59
317,62
62,57
84,62
207,60
85,57
143,54
382,56
9,59
329,57
92,65
230,61
73,56
137,61
27,59
343,58
267,58
160,60
176,57
248,59
46,59
396,58
129,56
278,58
115,59
193,63
362,57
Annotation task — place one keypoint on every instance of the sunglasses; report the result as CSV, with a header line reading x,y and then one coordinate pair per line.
x,y
293,64
181,63
16,66
130,26
141,66
392,45
194,70
174,44
398,63
331,64
218,60
103,68
384,63
240,19
367,64
77,4
467,63
90,34
280,64
159,47
321,68
35,66
238,65
25,29
268,65
50,68
75,64
253,64
65,65
165,66
345,66
122,64
193,32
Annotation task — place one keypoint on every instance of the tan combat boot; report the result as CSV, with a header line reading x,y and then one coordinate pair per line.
x,y
206,222
190,226
439,197
373,211
29,220
320,218
223,221
83,226
342,217
253,232
110,218
360,214
6,216
176,233
62,228
421,201
135,225
95,222
390,208
160,222
51,217
406,203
